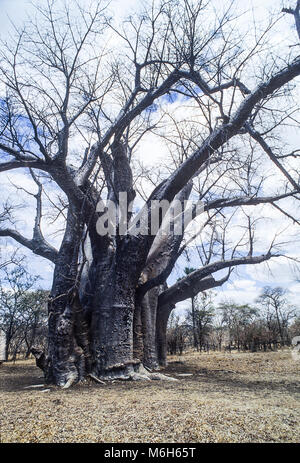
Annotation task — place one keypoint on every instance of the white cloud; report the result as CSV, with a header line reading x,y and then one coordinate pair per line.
x,y
242,285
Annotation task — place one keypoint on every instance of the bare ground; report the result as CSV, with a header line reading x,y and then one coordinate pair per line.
x,y
236,397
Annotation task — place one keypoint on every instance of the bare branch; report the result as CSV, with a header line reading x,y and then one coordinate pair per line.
x,y
202,279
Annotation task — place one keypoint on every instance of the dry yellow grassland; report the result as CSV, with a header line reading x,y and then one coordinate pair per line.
x,y
238,397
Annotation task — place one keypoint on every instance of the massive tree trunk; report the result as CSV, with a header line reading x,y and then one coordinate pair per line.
x,y
68,349
163,314
148,316
138,344
111,329
110,319
67,359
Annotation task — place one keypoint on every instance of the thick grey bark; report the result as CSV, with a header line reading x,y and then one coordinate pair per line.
x,y
114,282
138,345
161,259
161,333
111,327
149,309
67,358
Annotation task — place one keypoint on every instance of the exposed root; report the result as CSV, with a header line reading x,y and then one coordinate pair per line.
x,y
130,372
94,378
34,386
139,377
161,377
70,382
143,374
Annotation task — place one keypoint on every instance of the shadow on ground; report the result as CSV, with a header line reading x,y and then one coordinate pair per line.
x,y
15,377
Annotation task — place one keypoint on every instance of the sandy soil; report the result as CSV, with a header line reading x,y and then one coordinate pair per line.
x,y
236,397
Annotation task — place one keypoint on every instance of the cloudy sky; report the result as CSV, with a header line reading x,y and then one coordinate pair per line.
x,y
247,281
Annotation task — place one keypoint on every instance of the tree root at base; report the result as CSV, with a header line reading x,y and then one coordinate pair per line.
x,y
136,372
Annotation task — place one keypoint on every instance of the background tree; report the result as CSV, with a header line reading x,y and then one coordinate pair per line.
x,y
238,319
177,333
243,327
23,315
74,114
202,315
278,312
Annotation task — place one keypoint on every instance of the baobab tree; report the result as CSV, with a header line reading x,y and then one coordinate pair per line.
x,y
81,92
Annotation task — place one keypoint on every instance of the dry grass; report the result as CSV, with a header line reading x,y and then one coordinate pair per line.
x,y
229,398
